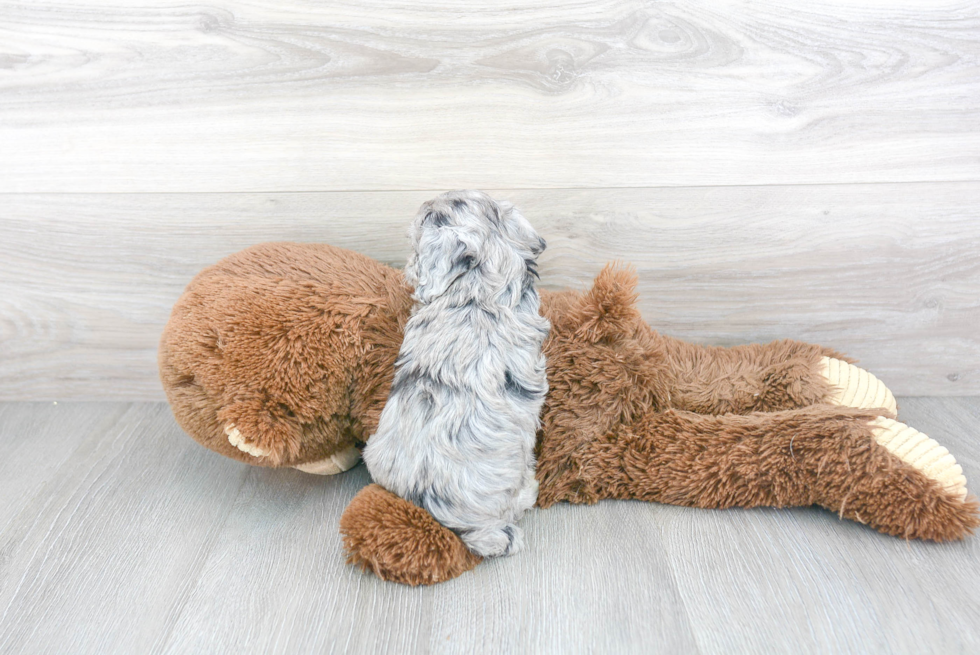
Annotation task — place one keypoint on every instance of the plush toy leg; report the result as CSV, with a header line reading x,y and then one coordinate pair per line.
x,y
866,468
767,377
401,542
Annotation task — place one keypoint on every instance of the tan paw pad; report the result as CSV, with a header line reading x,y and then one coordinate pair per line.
x,y
855,387
920,452
236,439
337,463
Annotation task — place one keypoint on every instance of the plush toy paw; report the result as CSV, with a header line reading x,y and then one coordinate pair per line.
x,y
854,387
236,439
922,453
400,541
337,463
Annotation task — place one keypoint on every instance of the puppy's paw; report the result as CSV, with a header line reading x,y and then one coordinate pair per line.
x,y
494,542
921,452
852,386
516,536
239,441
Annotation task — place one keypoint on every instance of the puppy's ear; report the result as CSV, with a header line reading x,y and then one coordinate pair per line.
x,y
442,255
520,230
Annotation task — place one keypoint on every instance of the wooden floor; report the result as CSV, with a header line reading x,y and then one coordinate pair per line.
x,y
120,534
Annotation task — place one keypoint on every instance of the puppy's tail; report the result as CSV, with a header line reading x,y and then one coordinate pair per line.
x,y
401,542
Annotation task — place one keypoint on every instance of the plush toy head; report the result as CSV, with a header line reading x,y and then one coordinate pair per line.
x,y
283,354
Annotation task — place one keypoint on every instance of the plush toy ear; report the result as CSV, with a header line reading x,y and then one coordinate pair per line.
x,y
443,253
609,310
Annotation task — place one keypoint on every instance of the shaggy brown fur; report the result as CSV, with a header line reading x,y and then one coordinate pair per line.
x,y
401,542
295,345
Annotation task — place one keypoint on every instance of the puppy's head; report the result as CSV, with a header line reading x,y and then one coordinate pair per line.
x,y
467,242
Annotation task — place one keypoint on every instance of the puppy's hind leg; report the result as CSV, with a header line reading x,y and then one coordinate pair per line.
x,y
500,540
529,494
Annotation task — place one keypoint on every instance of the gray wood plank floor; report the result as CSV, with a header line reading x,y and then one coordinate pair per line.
x,y
119,534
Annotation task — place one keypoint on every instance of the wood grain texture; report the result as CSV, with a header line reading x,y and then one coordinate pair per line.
x,y
792,577
128,537
110,534
386,94
887,273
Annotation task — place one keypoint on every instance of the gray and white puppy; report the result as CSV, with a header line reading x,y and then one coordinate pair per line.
x,y
456,436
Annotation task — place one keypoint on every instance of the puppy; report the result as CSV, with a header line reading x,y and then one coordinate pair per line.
x,y
457,434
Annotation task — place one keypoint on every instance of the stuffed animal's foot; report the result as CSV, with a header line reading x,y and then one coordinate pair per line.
x,y
400,541
238,440
852,386
919,494
337,463
922,453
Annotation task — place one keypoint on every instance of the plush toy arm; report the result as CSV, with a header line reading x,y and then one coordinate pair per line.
x,y
767,377
864,467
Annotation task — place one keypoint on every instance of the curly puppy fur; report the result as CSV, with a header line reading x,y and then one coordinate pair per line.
x,y
457,434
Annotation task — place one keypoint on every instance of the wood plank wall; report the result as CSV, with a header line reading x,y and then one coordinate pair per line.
x,y
773,169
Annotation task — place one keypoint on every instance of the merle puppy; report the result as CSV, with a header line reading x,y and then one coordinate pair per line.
x,y
456,436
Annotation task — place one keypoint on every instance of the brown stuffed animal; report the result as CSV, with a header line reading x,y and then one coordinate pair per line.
x,y
283,354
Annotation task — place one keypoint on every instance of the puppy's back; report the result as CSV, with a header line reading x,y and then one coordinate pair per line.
x,y
457,434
